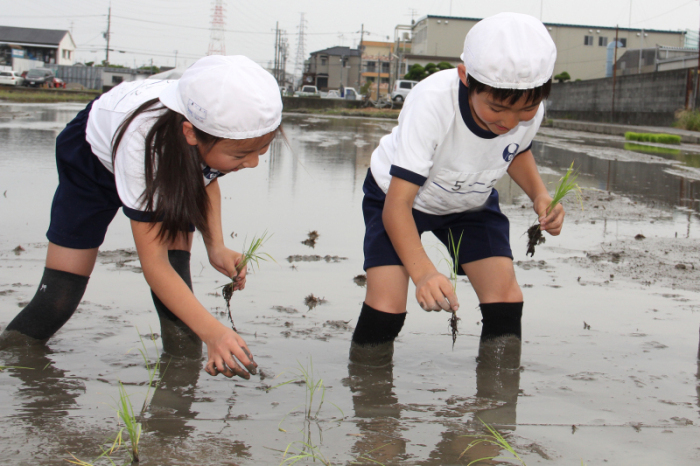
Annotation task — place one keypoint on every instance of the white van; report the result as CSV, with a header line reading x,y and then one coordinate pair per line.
x,y
401,89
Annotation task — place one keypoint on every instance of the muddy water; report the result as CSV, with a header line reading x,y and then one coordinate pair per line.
x,y
609,370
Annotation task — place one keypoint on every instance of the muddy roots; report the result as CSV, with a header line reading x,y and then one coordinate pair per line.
x,y
227,292
534,237
453,327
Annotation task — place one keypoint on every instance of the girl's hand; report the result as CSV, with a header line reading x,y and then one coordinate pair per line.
x,y
225,261
551,221
434,293
222,348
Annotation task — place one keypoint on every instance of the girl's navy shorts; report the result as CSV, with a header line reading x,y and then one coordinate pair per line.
x,y
86,199
485,232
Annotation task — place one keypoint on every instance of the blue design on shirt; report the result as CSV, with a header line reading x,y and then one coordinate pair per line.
x,y
210,173
510,151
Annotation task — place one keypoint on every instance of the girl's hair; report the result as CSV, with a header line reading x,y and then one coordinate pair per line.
x,y
511,95
175,191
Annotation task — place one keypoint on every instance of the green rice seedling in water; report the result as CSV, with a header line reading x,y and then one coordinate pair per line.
x,y
653,137
493,438
567,184
125,413
252,256
363,458
453,252
2,368
152,369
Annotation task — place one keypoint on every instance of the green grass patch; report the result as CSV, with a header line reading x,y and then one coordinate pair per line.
x,y
45,96
688,119
652,137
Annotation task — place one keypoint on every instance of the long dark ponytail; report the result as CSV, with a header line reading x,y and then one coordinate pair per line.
x,y
175,191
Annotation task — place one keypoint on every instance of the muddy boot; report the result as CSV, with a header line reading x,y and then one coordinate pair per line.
x,y
498,363
178,339
54,302
373,339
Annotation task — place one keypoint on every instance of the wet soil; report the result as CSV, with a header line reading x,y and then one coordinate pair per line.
x,y
608,372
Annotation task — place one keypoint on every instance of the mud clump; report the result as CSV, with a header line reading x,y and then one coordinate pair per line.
x,y
360,280
314,258
534,238
311,240
312,301
18,250
453,327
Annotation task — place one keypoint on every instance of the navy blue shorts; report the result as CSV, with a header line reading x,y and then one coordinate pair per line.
x,y
86,199
485,232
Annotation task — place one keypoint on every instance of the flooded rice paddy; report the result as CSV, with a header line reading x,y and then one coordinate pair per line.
x,y
610,326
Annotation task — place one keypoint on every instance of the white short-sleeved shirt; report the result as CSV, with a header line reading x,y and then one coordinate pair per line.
x,y
106,115
438,146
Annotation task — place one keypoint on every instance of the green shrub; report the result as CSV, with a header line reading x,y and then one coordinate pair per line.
x,y
563,76
688,119
651,137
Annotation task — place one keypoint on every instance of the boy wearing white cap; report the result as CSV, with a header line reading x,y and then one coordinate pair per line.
x,y
459,132
156,150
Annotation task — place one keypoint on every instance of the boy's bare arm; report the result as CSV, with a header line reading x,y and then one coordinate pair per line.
x,y
432,288
523,170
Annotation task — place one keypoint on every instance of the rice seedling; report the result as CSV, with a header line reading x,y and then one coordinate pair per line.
x,y
152,369
452,260
251,255
492,438
653,137
125,413
566,185
314,389
2,368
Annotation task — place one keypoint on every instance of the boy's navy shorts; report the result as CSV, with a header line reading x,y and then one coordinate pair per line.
x,y
485,232
86,199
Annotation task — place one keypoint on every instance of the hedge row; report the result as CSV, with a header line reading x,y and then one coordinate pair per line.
x,y
651,137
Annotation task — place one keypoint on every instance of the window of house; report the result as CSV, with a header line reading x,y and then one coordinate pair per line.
x,y
324,60
587,40
622,42
602,41
371,66
117,79
386,67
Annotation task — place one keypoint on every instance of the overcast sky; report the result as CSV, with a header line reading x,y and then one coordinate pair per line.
x,y
155,29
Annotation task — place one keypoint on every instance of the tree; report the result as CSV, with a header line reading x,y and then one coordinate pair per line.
x,y
562,77
419,73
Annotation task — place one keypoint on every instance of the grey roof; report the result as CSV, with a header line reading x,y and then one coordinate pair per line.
x,y
338,50
31,35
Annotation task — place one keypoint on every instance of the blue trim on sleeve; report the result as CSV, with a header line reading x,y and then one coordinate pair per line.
x,y
408,175
467,114
138,215
524,150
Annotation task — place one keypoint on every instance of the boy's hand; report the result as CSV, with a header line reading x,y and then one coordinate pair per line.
x,y
434,293
222,348
551,221
225,261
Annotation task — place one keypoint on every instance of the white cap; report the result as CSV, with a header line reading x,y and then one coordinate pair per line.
x,y
509,51
230,97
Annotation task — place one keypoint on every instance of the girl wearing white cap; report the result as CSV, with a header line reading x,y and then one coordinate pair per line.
x,y
156,150
459,132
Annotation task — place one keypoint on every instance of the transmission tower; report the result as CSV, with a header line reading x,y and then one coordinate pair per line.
x,y
217,44
301,54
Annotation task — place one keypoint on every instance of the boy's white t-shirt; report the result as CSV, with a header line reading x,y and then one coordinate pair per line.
x,y
106,115
456,167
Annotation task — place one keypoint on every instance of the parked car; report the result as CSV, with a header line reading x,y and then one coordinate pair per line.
x,y
10,78
401,89
39,77
350,94
307,91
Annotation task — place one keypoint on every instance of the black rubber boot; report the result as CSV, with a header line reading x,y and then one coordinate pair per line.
x,y
178,339
54,302
373,340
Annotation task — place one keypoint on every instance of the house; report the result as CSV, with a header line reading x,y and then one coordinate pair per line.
x,y
25,48
582,51
657,58
331,67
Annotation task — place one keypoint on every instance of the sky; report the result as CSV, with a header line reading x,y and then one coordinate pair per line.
x,y
171,32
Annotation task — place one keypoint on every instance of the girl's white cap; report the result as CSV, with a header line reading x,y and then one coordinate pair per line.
x,y
510,51
230,97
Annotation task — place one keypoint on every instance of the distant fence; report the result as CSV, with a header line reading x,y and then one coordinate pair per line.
x,y
88,76
640,99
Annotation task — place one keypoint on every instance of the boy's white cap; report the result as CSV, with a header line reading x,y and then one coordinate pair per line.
x,y
230,97
509,51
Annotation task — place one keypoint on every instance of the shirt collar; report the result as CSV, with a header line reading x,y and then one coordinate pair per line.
x,y
467,114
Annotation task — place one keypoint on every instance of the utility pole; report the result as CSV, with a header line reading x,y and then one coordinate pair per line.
x,y
641,47
614,70
361,49
107,34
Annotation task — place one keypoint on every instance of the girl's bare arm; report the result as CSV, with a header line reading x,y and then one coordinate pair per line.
x,y
222,342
